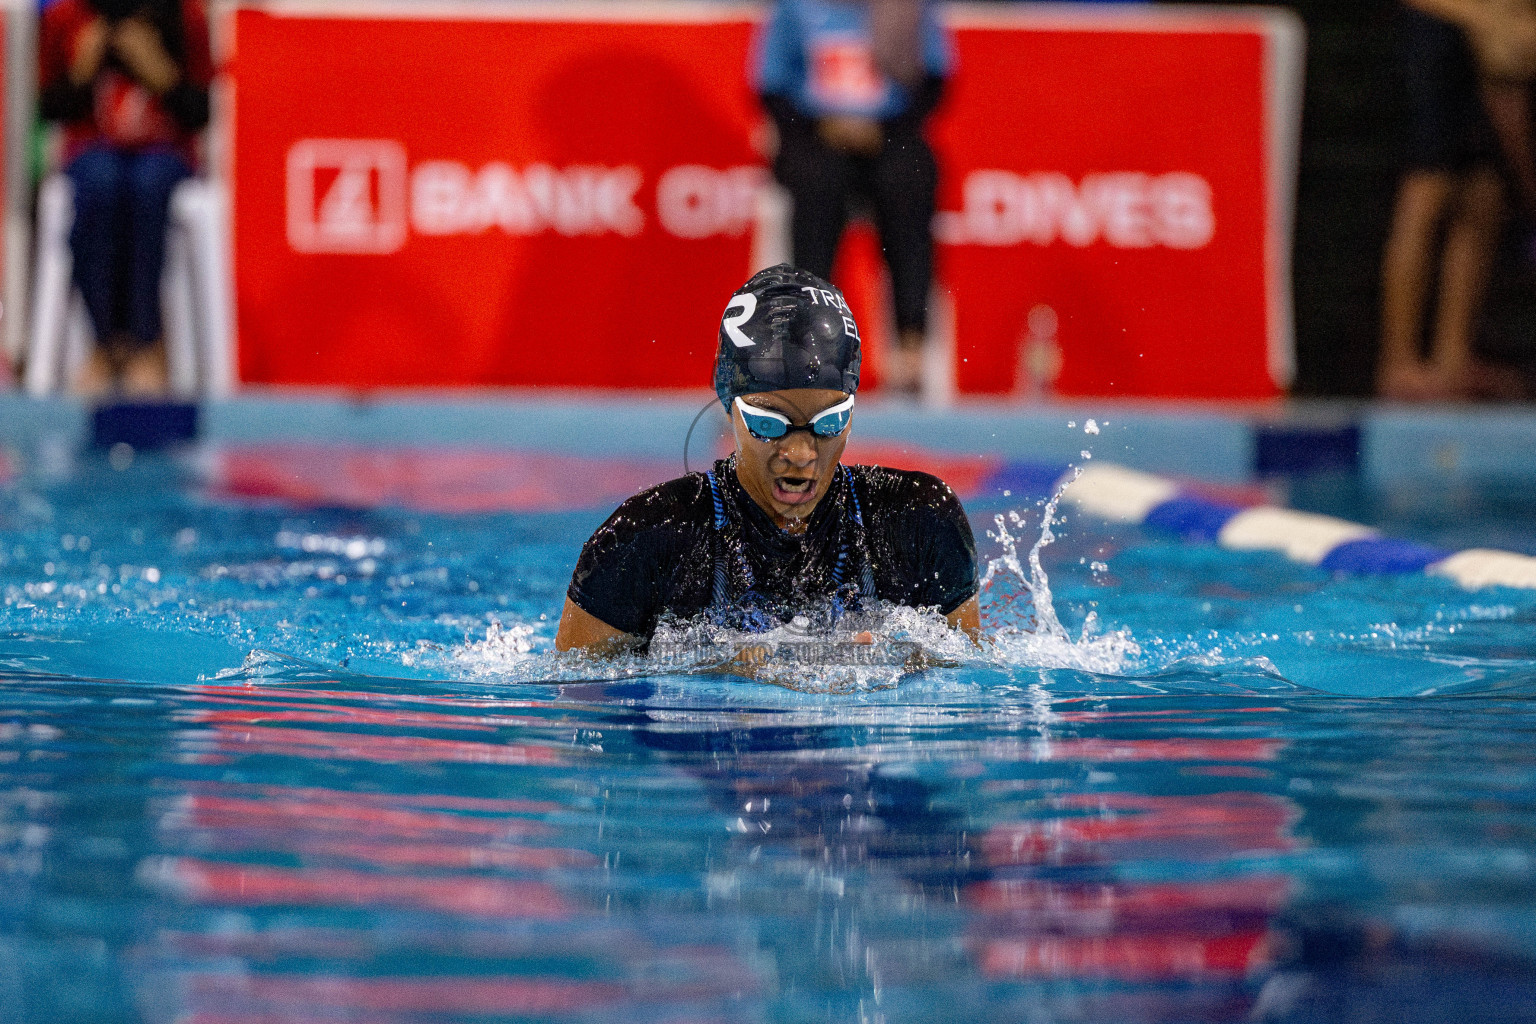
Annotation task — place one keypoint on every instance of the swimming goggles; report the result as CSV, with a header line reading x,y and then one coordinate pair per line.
x,y
767,425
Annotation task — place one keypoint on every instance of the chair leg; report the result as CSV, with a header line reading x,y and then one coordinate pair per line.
x,y
198,209
180,315
17,305
770,230
51,288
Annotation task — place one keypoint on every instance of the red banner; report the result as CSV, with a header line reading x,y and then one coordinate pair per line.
x,y
524,195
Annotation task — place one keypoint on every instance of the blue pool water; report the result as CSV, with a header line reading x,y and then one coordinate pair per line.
x,y
266,759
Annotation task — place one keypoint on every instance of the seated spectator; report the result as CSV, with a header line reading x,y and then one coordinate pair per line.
x,y
129,81
849,84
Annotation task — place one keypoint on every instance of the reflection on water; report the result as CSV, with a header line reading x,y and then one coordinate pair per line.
x,y
261,825
358,849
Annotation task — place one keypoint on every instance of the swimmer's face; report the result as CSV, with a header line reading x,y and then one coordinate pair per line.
x,y
788,476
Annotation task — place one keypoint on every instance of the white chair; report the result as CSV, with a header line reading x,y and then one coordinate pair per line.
x,y
194,294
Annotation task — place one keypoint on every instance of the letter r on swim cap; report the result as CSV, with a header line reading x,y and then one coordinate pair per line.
x,y
747,303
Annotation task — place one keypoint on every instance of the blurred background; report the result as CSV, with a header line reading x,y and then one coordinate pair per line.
x,y
332,329
1101,200
1355,121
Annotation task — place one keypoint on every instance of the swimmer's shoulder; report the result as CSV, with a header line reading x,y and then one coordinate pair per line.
x,y
645,559
919,536
904,489
677,508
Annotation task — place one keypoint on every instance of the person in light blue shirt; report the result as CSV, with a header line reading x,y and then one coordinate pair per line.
x,y
849,85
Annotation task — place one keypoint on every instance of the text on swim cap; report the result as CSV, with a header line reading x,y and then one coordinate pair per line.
x,y
747,303
822,297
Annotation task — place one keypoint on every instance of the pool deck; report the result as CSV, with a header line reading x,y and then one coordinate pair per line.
x,y
1219,443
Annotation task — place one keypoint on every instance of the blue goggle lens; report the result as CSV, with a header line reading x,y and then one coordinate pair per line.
x,y
767,425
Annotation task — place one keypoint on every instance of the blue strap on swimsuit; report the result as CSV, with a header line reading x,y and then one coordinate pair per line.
x,y
721,588
722,597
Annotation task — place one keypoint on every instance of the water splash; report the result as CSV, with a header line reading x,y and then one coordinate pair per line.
x,y
835,659
829,659
1038,639
507,645
873,650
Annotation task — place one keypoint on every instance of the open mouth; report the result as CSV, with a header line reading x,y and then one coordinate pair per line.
x,y
793,490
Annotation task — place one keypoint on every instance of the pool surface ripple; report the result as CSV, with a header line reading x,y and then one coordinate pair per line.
x,y
269,761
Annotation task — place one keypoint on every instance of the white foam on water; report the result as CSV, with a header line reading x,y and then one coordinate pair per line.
x,y
873,650
834,659
504,648
1022,629
830,661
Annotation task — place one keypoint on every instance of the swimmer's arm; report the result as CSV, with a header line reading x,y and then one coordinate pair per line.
x,y
580,630
968,618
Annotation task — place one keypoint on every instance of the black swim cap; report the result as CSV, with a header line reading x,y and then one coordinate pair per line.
x,y
783,329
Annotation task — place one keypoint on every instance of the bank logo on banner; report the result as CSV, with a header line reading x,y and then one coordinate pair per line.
x,y
359,196
346,196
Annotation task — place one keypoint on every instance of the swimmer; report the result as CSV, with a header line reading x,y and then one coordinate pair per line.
x,y
781,528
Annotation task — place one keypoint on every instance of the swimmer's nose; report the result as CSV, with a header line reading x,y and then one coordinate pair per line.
x,y
799,449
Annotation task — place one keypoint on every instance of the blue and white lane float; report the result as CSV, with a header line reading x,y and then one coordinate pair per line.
x,y
1123,495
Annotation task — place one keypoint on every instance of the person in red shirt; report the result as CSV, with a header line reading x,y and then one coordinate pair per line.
x,y
129,80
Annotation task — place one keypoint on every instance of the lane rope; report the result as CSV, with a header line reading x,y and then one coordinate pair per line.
x,y
1122,495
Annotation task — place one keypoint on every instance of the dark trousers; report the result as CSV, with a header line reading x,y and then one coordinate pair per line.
x,y
122,202
898,184
1447,124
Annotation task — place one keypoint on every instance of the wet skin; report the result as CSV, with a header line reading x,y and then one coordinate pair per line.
x,y
787,477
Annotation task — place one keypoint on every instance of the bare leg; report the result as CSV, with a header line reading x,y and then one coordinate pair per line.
x,y
1509,108
97,376
1471,239
1423,199
906,372
144,373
